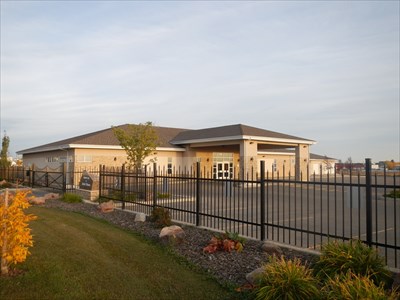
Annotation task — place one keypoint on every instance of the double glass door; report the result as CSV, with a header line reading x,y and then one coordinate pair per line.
x,y
224,170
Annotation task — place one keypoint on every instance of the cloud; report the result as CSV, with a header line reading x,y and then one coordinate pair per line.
x,y
327,71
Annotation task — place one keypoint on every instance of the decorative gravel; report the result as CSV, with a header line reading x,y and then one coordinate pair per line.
x,y
226,267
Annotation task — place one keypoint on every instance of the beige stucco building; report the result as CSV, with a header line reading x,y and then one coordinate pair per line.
x,y
224,152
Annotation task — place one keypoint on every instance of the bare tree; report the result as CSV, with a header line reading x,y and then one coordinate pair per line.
x,y
327,164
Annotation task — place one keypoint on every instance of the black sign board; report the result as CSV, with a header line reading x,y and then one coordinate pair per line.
x,y
88,181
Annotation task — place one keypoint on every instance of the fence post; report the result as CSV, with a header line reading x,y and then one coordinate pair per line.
x,y
46,177
154,185
198,193
123,185
100,182
33,177
64,179
64,182
262,199
368,198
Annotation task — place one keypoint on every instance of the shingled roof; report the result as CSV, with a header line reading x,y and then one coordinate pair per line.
x,y
168,137
104,137
231,132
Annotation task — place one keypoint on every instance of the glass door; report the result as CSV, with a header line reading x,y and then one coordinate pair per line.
x,y
223,170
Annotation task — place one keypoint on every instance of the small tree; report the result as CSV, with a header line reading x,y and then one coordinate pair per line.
x,y
349,160
15,235
139,141
4,162
327,164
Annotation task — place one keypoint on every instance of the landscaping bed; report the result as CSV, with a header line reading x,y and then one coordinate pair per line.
x,y
226,267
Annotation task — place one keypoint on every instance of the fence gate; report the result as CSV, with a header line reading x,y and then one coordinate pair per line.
x,y
53,180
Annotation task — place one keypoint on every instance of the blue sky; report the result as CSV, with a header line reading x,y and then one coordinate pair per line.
x,y
327,71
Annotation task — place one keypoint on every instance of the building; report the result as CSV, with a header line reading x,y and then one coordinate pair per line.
x,y
225,151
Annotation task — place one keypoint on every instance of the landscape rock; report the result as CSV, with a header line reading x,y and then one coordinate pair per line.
x,y
37,200
172,234
254,276
51,196
107,207
140,217
271,248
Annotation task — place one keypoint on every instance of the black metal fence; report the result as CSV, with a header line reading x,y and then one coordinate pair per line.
x,y
305,213
361,205
58,180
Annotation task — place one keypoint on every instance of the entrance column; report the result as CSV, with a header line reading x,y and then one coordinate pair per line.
x,y
302,161
248,158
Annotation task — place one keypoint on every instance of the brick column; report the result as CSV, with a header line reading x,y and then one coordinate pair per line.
x,y
248,158
302,161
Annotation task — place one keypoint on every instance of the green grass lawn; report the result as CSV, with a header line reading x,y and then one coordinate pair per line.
x,y
78,257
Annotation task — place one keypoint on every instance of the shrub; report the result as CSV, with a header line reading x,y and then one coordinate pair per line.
x,y
353,286
163,195
117,195
71,198
226,242
161,217
15,235
130,197
286,279
339,258
393,194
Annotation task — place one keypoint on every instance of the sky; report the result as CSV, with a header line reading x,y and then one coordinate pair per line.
x,y
328,71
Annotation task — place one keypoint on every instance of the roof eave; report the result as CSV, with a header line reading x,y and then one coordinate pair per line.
x,y
245,137
87,146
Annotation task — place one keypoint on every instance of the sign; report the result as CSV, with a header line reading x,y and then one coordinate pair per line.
x,y
89,181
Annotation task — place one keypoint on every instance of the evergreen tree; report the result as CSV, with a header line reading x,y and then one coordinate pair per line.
x,y
4,162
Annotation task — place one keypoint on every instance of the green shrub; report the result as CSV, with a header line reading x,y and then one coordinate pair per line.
x,y
130,197
338,258
163,195
71,198
286,279
161,217
393,194
353,286
117,195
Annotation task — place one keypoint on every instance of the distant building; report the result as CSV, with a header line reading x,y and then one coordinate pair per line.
x,y
349,166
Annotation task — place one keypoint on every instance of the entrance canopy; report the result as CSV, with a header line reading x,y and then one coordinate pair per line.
x,y
248,141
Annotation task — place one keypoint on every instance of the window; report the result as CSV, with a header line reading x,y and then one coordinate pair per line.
x,y
222,157
274,166
169,166
84,158
51,159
